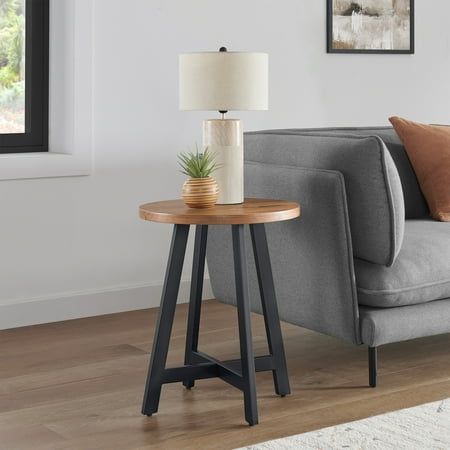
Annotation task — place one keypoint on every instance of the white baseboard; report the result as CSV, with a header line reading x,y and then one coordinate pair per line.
x,y
75,305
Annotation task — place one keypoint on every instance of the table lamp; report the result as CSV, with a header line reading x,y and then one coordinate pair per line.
x,y
223,81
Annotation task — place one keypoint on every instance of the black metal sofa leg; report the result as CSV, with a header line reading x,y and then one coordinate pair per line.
x,y
373,367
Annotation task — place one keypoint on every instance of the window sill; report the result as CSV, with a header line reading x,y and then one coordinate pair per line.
x,y
14,166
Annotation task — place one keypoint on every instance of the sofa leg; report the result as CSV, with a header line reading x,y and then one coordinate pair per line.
x,y
373,367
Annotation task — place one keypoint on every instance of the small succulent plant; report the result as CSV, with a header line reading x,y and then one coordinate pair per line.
x,y
198,165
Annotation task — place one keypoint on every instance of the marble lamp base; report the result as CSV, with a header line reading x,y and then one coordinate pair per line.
x,y
225,139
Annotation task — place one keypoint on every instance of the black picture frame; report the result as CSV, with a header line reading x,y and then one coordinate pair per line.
x,y
35,138
330,48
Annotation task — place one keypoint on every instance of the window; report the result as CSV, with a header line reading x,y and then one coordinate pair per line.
x,y
24,32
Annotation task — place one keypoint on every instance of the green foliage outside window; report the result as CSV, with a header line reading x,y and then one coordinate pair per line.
x,y
12,70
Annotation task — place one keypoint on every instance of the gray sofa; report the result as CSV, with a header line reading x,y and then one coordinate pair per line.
x,y
352,266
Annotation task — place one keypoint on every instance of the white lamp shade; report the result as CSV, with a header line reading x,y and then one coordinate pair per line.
x,y
224,81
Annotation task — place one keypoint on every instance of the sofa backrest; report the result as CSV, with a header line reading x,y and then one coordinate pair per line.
x,y
415,204
374,190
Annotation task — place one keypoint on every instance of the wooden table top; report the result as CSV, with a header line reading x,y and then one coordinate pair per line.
x,y
253,210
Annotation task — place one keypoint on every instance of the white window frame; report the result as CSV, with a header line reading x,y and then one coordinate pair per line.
x,y
70,114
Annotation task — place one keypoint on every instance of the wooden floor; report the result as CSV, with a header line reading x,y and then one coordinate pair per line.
x,y
79,384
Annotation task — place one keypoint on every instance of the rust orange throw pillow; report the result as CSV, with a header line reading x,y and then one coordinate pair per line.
x,y
428,148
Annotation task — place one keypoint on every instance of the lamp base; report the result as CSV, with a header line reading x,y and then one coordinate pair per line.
x,y
224,138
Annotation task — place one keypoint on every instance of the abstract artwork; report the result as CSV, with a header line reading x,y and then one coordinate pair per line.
x,y
370,26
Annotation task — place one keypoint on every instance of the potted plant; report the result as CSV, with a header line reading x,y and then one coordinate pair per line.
x,y
200,190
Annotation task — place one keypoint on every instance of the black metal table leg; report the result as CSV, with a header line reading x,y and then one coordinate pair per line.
x,y
195,301
165,320
244,320
270,308
239,373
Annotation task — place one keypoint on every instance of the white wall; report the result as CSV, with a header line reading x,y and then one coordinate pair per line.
x,y
74,246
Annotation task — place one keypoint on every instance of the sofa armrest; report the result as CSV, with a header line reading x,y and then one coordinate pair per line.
x,y
311,256
374,191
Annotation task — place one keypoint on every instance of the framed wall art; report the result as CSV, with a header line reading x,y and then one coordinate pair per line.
x,y
370,26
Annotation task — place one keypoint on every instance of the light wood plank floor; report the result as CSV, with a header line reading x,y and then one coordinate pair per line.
x,y
78,384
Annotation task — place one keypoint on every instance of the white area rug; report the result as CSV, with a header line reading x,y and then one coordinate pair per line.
x,y
425,427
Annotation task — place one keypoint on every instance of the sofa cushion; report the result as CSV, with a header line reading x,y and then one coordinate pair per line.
x,y
373,186
420,274
415,204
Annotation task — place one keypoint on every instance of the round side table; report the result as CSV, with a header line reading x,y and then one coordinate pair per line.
x,y
239,373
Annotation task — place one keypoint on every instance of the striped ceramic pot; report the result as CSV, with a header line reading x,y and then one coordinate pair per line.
x,y
200,192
